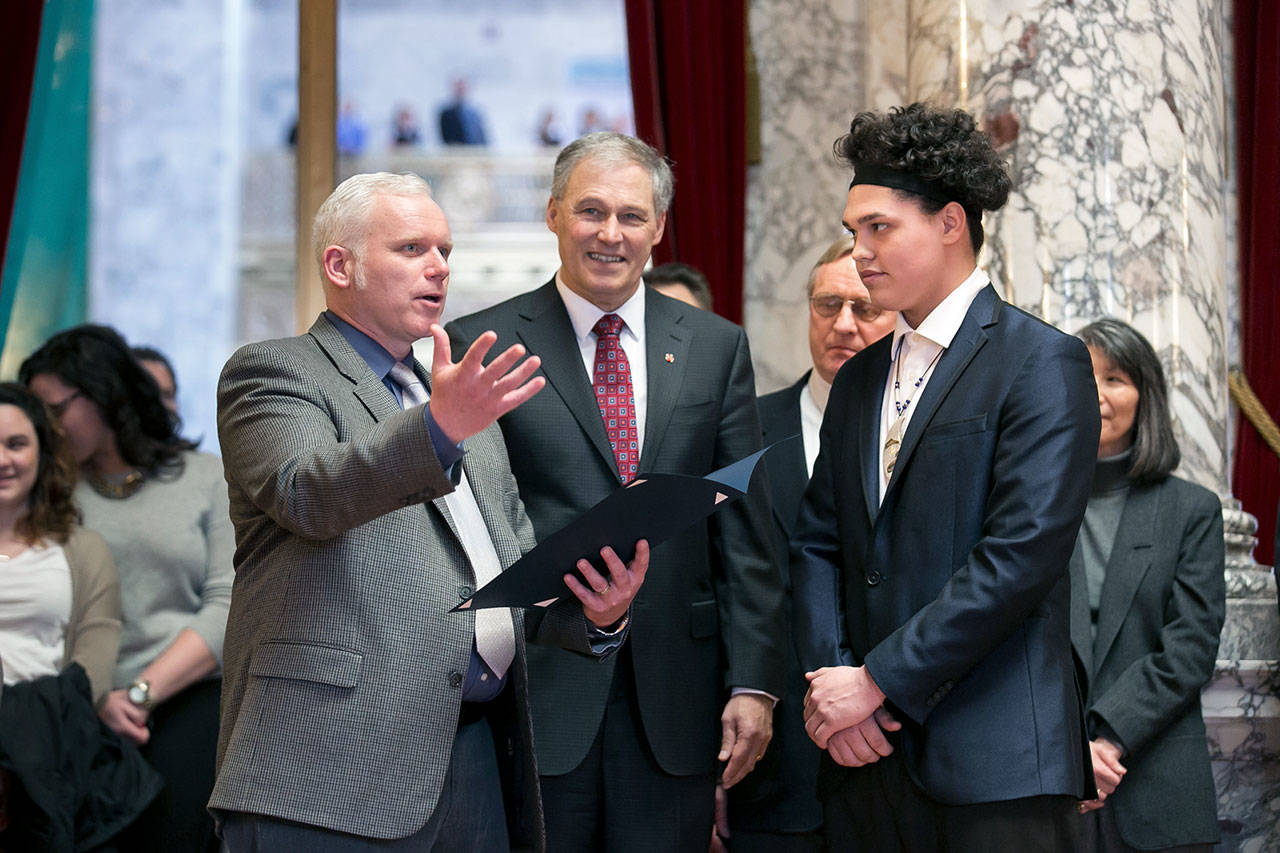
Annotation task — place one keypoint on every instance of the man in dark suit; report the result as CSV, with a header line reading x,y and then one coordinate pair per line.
x,y
355,705
929,563
776,807
460,121
638,382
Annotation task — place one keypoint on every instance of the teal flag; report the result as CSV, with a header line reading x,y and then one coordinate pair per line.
x,y
43,287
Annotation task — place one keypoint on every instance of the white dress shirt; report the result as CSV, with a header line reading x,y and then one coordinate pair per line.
x,y
920,354
813,402
584,316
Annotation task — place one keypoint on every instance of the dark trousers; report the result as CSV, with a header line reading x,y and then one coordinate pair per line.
x,y
468,817
182,748
618,799
879,807
743,841
1100,833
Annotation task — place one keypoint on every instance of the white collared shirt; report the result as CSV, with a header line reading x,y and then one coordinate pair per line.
x,y
813,402
584,315
926,343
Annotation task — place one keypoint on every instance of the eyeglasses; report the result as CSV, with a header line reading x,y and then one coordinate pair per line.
x,y
61,406
829,305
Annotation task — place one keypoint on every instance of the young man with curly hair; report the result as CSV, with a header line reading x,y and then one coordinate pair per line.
x,y
930,559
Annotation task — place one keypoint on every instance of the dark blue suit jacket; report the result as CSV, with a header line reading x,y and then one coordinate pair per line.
x,y
954,592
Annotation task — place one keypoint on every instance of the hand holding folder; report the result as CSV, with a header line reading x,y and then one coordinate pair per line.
x,y
653,507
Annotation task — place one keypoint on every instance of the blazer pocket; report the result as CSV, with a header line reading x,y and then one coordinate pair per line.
x,y
953,429
693,411
704,619
306,662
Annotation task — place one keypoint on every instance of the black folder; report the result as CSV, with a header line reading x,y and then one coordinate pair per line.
x,y
653,507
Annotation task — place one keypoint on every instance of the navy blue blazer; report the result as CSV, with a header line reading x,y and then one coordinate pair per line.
x,y
954,592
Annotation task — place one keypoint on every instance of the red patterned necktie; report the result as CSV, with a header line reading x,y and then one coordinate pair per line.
x,y
615,397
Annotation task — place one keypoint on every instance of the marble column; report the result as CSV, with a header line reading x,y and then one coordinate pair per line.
x,y
1114,116
1115,122
810,57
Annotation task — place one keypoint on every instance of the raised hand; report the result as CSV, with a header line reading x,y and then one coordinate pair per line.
x,y
468,396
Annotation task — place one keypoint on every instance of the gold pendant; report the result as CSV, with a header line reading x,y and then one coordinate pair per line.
x,y
891,446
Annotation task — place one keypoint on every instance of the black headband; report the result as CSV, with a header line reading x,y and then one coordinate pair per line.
x,y
885,176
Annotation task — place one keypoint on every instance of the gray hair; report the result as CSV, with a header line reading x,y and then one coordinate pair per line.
x,y
616,149
343,217
841,248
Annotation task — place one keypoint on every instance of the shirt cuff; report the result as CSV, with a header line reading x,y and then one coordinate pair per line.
x,y
602,641
446,451
753,692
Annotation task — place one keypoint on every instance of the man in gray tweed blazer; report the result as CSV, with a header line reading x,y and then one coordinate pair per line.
x,y
356,708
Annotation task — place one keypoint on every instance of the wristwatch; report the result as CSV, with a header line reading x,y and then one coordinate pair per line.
x,y
139,693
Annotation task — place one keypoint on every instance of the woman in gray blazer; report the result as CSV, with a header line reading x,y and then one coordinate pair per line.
x,y
1148,597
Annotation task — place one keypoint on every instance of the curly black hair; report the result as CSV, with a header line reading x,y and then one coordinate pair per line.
x,y
96,361
941,146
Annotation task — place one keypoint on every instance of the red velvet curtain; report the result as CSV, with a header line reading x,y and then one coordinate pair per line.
x,y
1256,26
17,69
688,81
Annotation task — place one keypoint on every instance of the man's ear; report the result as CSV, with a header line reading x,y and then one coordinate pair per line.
x,y
662,227
955,222
339,266
552,212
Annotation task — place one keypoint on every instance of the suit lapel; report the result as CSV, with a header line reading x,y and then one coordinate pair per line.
x,y
867,405
1129,562
964,346
369,390
545,329
786,466
664,336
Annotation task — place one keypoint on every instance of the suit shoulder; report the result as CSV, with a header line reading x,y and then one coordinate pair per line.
x,y
271,350
495,315
1037,332
783,398
706,322
1192,495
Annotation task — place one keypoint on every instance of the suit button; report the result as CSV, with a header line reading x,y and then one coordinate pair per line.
x,y
455,679
873,578
465,592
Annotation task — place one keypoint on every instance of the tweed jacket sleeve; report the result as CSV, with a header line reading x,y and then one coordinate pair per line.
x,y
281,436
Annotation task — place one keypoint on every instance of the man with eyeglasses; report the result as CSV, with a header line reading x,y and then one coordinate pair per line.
x,y
776,807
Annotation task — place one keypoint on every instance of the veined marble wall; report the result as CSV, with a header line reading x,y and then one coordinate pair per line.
x,y
1114,116
810,58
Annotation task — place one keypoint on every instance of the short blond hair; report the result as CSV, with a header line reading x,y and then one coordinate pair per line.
x,y
343,217
841,248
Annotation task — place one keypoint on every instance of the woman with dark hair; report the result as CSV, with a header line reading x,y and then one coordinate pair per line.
x,y
1148,600
162,507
